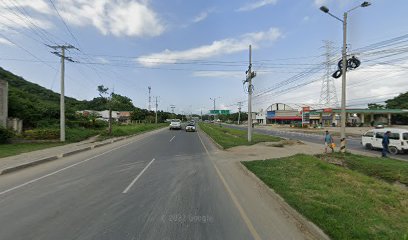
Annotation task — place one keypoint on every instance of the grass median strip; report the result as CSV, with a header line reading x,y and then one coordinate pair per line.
x,y
228,137
344,203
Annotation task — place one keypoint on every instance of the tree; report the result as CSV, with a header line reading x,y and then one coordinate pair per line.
x,y
375,106
138,114
103,93
399,102
121,103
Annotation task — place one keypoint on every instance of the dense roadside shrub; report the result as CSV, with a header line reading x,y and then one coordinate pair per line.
x,y
41,134
5,135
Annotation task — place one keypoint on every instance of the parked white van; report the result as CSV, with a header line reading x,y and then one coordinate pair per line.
x,y
398,139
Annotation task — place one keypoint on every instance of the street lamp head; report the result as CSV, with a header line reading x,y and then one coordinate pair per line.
x,y
324,9
365,4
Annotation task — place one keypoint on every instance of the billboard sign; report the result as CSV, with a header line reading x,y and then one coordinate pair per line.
x,y
270,114
305,115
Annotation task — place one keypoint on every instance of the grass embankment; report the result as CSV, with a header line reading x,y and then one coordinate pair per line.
x,y
229,137
77,135
344,203
387,169
7,150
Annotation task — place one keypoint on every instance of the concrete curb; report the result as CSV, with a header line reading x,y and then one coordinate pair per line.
x,y
75,152
309,226
30,164
66,154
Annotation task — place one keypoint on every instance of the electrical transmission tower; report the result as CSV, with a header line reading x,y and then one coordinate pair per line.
x,y
328,94
150,99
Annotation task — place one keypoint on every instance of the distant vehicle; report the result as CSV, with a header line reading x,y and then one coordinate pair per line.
x,y
398,139
191,127
175,124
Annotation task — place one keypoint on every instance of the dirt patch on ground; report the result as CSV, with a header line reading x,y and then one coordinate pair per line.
x,y
268,150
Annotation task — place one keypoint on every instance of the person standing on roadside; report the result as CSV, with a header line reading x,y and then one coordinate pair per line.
x,y
328,142
385,143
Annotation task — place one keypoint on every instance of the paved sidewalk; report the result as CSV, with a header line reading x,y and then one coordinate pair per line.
x,y
24,160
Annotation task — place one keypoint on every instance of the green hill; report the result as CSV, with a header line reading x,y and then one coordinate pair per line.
x,y
39,107
35,104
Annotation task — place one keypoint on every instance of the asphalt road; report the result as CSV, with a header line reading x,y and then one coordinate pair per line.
x,y
162,186
352,143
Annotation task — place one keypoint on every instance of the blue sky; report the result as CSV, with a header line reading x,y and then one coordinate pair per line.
x,y
191,51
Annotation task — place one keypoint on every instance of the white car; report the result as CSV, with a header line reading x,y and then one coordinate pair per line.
x,y
175,124
398,139
190,127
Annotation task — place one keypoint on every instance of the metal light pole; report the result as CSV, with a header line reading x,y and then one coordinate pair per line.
x,y
344,71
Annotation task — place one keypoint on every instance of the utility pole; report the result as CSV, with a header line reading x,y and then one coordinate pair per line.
x,y
249,75
150,99
213,99
239,111
156,109
62,94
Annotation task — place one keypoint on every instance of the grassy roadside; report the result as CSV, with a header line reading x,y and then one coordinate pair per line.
x,y
228,137
387,169
77,135
346,204
7,150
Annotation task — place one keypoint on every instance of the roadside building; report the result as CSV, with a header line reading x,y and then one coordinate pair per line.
x,y
280,113
260,117
355,116
124,117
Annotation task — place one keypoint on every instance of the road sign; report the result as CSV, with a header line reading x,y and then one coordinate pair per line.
x,y
220,112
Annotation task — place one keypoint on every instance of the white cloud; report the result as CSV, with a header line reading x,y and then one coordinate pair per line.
x,y
202,16
36,5
12,19
256,5
102,60
320,3
216,48
220,74
367,84
5,42
119,18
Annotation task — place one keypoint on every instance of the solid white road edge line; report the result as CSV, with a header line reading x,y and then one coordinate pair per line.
x,y
172,138
241,210
62,169
137,177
